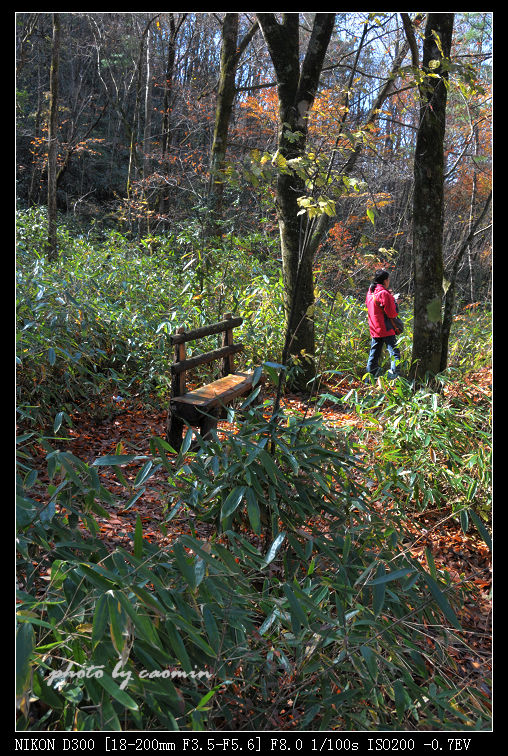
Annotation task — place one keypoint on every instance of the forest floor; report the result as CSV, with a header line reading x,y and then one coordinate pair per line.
x,y
112,426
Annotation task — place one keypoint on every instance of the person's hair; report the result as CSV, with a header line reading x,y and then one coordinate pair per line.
x,y
380,276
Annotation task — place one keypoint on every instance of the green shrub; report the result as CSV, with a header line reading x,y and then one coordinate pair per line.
x,y
432,452
278,471
336,624
100,317
470,345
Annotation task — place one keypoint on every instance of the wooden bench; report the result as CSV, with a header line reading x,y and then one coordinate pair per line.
x,y
203,406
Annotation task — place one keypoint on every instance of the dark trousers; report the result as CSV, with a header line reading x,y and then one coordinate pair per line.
x,y
376,347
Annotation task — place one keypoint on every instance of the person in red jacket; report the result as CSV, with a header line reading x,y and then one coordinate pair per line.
x,y
381,306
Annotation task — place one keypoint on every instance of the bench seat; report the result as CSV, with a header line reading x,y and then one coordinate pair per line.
x,y
189,406
224,389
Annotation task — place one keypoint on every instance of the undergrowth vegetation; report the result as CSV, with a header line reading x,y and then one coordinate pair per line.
x,y
305,597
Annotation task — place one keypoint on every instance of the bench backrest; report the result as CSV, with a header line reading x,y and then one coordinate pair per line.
x,y
225,352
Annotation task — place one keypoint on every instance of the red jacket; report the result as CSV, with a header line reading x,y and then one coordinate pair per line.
x,y
376,312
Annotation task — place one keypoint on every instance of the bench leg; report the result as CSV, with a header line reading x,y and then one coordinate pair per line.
x,y
208,422
174,431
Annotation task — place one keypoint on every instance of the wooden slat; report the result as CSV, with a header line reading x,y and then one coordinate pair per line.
x,y
228,364
201,359
178,380
222,391
208,330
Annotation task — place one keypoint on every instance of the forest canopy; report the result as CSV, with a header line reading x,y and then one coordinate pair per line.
x,y
137,107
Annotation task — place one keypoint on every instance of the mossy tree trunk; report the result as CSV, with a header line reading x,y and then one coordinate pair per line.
x,y
296,87
429,197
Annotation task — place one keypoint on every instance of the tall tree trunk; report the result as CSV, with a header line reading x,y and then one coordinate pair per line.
x,y
428,199
147,132
134,129
34,187
225,97
231,52
471,209
52,139
296,89
166,107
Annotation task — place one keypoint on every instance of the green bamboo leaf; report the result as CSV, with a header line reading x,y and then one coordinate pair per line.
x,y
481,528
58,421
378,593
143,624
471,491
346,547
340,609
187,441
298,616
269,622
32,618
138,538
100,618
400,698
370,660
45,693
290,458
25,641
250,399
109,716
159,445
116,459
430,562
145,473
232,501
269,465
173,511
395,575
116,623
178,646
93,574
47,513
148,598
133,499
258,372
201,705
310,715
442,601
272,553
253,510
211,628
183,565
199,569
114,690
